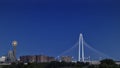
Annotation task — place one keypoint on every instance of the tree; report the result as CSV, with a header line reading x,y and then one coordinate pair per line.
x,y
108,62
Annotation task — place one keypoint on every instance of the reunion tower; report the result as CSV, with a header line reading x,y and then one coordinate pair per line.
x,y
14,44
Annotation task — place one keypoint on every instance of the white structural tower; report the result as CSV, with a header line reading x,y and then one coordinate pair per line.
x,y
81,49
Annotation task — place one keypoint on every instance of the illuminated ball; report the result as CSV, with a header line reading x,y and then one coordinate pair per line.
x,y
14,43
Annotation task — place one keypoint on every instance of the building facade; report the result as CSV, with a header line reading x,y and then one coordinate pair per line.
x,y
2,59
10,57
66,58
36,58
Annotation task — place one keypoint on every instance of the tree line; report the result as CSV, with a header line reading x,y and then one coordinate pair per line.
x,y
106,63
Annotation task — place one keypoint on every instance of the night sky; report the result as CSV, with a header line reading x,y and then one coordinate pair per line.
x,y
50,27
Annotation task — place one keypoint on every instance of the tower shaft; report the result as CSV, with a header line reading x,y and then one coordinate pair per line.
x,y
14,43
79,52
14,52
81,49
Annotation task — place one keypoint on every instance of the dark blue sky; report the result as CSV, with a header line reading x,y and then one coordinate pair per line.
x,y
51,27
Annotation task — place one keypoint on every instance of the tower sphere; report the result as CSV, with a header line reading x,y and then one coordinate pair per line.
x,y
14,43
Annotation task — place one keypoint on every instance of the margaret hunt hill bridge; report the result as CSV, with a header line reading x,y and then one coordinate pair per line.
x,y
84,52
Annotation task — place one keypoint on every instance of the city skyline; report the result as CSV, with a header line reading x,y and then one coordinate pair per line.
x,y
51,27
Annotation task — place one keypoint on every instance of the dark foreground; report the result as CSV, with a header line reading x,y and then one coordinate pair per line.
x,y
106,63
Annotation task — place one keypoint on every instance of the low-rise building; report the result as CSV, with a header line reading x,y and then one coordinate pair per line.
x,y
66,58
2,59
36,58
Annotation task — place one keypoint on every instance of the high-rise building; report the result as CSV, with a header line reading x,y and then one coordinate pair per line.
x,y
10,57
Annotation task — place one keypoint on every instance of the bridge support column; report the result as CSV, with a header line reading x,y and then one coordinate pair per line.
x,y
81,49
